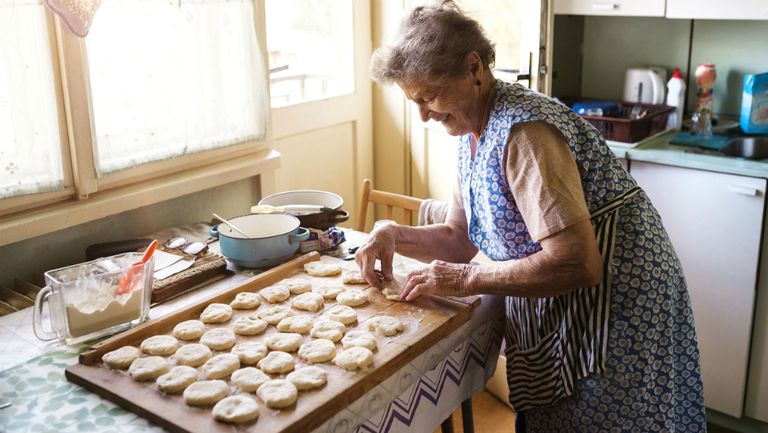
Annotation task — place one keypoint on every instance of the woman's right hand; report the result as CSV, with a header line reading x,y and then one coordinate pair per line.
x,y
381,246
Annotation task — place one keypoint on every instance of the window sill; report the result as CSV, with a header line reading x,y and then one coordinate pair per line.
x,y
51,218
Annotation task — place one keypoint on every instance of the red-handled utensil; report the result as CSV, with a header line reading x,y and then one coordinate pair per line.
x,y
130,275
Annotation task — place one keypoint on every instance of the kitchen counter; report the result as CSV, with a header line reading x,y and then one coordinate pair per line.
x,y
659,151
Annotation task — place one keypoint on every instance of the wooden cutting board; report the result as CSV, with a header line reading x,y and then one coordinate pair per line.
x,y
427,321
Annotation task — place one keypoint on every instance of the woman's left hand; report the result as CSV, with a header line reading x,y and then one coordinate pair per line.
x,y
440,278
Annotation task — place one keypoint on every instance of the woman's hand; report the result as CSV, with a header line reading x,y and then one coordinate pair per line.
x,y
440,278
381,246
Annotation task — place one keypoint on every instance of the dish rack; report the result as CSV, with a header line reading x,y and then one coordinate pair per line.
x,y
652,120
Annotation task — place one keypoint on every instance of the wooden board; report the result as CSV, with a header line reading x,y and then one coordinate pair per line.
x,y
426,321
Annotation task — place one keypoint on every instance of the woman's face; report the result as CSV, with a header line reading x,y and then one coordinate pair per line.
x,y
454,105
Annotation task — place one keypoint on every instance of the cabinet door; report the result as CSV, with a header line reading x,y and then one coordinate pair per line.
x,y
641,8
716,10
715,223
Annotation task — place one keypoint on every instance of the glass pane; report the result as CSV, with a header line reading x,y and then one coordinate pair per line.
x,y
310,47
173,78
30,144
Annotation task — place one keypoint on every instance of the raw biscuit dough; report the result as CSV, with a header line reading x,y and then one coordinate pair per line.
x,y
216,313
384,325
278,393
328,292
249,325
317,351
284,341
298,324
249,379
220,366
205,392
343,314
359,338
309,301
274,314
236,409
219,339
297,286
318,269
148,368
354,358
189,330
392,288
277,362
275,294
328,330
121,358
352,277
307,378
250,352
177,380
352,298
193,355
245,301
162,345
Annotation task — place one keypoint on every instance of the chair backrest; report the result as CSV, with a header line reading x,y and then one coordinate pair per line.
x,y
391,201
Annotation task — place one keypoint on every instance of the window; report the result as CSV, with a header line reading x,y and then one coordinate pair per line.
x,y
310,47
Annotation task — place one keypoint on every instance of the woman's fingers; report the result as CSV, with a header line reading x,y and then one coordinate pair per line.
x,y
366,261
414,278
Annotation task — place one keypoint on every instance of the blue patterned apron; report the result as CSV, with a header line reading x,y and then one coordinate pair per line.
x,y
619,356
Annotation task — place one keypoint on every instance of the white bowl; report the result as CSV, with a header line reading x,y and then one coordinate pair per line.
x,y
304,196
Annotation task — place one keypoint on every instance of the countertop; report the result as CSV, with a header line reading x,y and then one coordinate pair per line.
x,y
659,151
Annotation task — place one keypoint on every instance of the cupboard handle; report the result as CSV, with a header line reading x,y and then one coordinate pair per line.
x,y
741,189
605,6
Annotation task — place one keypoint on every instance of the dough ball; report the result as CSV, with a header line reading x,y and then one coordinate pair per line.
x,y
274,314
343,314
328,330
319,269
205,392
309,301
317,351
249,325
384,325
352,277
298,286
307,378
284,341
250,352
121,358
218,339
220,366
352,298
354,358
328,292
359,338
177,380
236,409
143,369
276,362
193,355
245,301
392,294
189,330
249,379
216,313
275,294
162,345
278,394
298,324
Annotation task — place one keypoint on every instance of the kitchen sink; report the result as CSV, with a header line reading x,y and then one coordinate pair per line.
x,y
747,147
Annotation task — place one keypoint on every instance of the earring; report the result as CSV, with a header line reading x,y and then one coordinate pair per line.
x,y
477,83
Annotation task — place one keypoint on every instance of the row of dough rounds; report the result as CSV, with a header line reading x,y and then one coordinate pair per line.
x,y
196,360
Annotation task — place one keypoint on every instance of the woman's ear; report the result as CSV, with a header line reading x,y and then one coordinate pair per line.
x,y
475,67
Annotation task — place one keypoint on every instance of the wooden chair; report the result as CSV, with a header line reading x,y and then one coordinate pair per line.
x,y
407,204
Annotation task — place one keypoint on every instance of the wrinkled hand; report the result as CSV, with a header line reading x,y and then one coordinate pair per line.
x,y
381,246
440,278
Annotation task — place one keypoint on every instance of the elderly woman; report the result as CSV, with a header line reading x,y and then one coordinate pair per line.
x,y
599,328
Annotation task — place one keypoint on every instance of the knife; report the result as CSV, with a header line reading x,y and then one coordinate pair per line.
x,y
173,269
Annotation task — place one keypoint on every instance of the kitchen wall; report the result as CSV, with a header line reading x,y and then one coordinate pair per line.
x,y
29,258
610,45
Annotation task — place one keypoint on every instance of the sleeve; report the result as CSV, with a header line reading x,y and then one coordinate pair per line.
x,y
544,179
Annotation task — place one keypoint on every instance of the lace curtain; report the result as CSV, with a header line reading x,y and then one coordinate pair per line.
x,y
76,14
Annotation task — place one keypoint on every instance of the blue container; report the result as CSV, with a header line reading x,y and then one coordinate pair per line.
x,y
754,104
272,239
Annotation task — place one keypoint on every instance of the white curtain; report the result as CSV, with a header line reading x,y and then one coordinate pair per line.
x,y
170,78
30,144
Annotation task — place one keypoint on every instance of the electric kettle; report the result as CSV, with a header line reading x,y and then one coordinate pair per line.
x,y
645,85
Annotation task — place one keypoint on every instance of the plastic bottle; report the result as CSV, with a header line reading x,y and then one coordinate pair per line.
x,y
676,98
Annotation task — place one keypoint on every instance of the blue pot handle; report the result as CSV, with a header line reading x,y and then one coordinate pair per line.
x,y
301,235
215,231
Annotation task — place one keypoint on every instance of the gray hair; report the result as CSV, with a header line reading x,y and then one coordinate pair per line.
x,y
434,44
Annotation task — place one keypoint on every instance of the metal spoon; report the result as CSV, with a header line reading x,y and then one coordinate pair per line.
x,y
232,226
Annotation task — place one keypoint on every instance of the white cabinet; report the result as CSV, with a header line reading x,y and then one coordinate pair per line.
x,y
715,223
718,10
642,8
